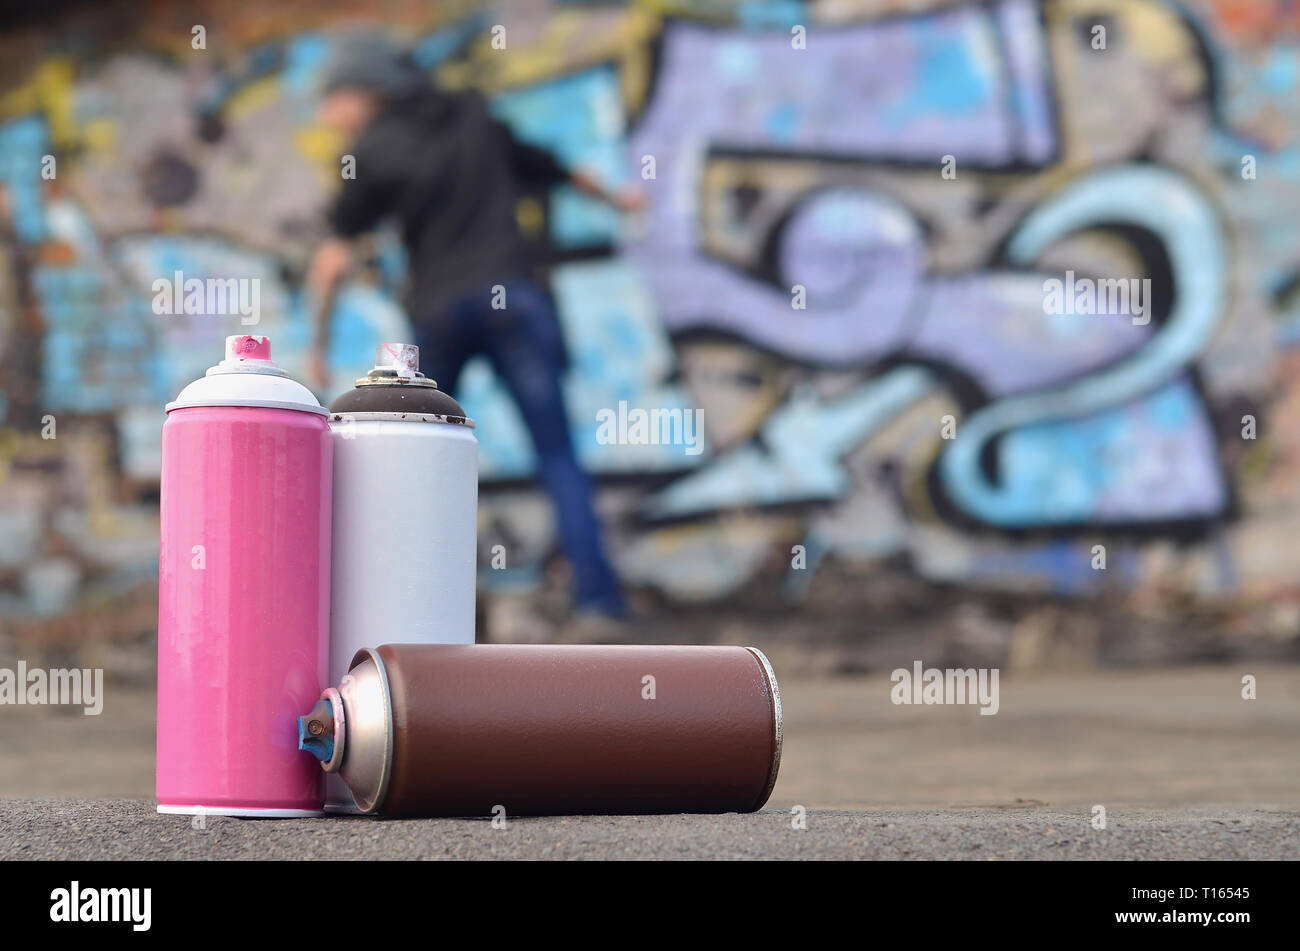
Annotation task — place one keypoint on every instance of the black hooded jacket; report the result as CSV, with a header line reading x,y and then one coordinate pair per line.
x,y
452,176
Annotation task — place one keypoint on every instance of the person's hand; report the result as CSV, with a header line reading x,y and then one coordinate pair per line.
x,y
318,376
328,265
629,200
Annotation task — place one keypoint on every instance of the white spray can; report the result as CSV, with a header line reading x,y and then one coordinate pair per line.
x,y
405,518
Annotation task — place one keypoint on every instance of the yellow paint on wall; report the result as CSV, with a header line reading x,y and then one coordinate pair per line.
x,y
318,143
530,217
692,9
1147,30
256,96
101,135
571,39
50,92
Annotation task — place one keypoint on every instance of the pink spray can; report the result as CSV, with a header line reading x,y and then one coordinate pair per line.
x,y
243,600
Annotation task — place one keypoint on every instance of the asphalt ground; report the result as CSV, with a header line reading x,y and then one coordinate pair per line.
x,y
113,830
1183,765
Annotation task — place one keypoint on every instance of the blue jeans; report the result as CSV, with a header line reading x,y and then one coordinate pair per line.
x,y
523,343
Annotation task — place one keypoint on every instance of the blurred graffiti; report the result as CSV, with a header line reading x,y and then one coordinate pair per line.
x,y
852,214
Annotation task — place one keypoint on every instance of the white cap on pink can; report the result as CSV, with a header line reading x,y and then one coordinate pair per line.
x,y
248,377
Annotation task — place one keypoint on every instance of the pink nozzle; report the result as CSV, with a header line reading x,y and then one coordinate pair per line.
x,y
245,347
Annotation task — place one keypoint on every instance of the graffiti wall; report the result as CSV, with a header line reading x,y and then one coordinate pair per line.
x,y
857,217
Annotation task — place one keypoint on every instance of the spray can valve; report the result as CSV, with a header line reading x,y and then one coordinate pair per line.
x,y
402,358
316,731
248,347
396,363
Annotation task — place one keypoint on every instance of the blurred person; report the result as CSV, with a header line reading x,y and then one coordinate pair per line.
x,y
451,176
21,328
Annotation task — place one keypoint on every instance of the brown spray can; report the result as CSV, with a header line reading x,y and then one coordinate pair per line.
x,y
469,730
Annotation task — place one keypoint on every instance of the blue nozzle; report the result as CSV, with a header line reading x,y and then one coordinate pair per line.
x,y
316,731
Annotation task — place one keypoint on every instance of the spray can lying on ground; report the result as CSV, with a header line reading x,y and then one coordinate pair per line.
x,y
243,579
471,730
405,517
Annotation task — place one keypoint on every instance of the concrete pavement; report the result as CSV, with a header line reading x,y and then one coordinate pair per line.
x,y
130,829
877,780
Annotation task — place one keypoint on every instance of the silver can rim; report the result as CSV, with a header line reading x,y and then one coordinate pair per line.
x,y
777,723
344,417
369,653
